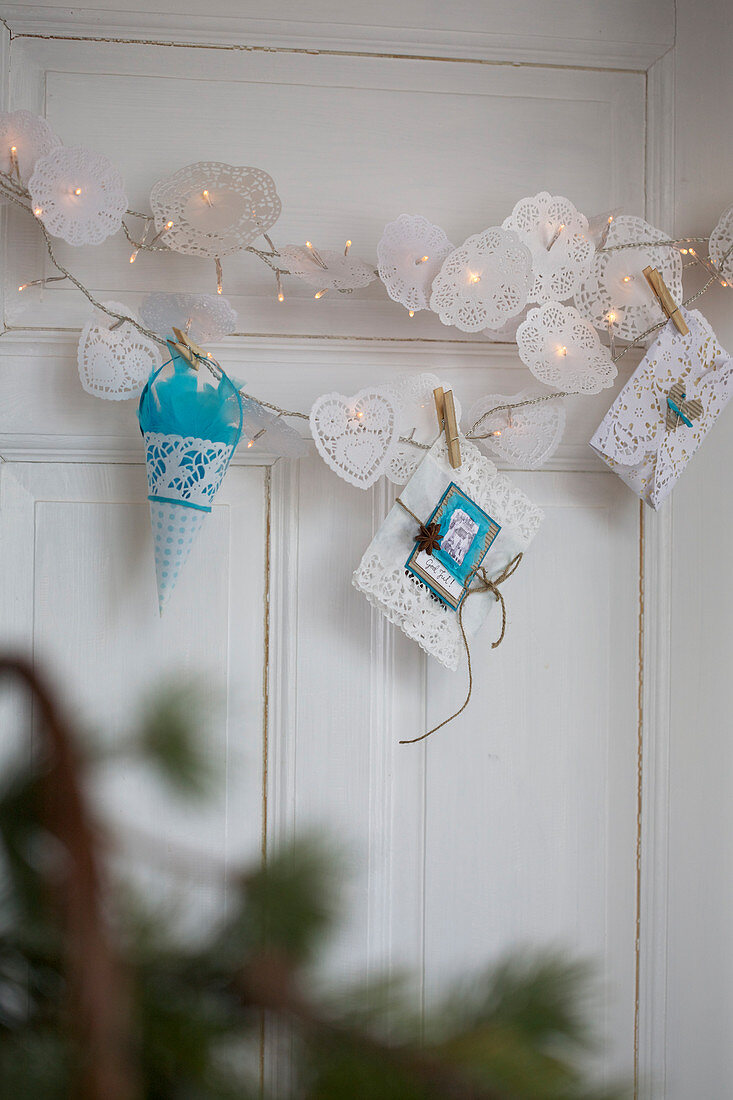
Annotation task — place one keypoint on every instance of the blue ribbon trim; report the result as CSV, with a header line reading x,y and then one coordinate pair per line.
x,y
183,503
679,412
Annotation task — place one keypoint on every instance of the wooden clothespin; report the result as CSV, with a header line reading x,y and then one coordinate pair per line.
x,y
446,410
190,351
666,301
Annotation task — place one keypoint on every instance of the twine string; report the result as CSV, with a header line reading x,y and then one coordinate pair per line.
x,y
485,583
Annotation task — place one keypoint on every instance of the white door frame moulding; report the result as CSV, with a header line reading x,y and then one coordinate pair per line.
x,y
568,41
655,592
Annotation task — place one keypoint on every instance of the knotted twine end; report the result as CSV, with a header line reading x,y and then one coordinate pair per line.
x,y
485,584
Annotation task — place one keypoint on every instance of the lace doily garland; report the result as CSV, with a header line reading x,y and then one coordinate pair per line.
x,y
115,363
341,272
78,195
410,255
403,600
356,436
563,350
484,282
525,437
413,396
720,244
557,236
30,136
215,208
633,438
205,317
616,291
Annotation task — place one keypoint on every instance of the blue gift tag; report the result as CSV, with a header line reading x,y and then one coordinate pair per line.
x,y
466,533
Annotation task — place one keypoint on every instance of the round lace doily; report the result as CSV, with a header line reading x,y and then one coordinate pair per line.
x,y
564,350
525,437
410,255
721,242
115,363
205,317
356,436
215,208
557,236
341,272
78,195
616,291
31,136
484,282
413,398
265,431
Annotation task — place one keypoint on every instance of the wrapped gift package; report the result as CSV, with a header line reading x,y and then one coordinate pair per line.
x,y
666,409
386,582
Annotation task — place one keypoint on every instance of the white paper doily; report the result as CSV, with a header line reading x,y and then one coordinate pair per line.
x,y
31,136
616,284
721,241
410,255
78,195
356,435
525,437
413,397
564,350
484,282
215,208
265,431
557,236
205,317
115,363
341,272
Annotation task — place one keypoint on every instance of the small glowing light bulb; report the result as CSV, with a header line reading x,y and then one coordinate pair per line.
x,y
38,210
611,317
475,278
320,293
497,432
169,225
250,444
422,260
22,286
360,414
133,257
308,245
281,297
13,149
610,218
692,252
412,313
628,278
77,190
723,282
205,195
683,252
562,350
347,246
219,290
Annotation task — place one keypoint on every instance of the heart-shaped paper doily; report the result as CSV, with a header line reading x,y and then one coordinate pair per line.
x,y
115,363
355,436
525,437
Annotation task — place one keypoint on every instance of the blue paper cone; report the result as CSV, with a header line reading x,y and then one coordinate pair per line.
x,y
190,428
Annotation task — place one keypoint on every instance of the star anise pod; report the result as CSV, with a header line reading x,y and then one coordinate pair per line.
x,y
428,538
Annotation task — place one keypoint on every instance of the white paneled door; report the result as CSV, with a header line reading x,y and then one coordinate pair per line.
x,y
525,821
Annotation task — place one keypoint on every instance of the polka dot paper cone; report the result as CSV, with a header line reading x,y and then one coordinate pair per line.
x,y
184,475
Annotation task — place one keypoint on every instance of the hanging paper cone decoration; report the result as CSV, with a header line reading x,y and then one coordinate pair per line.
x,y
190,427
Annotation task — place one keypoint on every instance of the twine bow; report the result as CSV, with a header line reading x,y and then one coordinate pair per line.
x,y
484,583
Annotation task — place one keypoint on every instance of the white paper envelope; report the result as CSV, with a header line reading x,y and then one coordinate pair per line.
x,y
634,437
382,576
